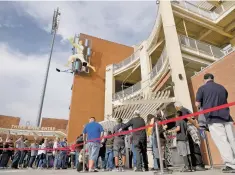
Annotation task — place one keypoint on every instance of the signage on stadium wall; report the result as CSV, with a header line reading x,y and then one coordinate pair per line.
x,y
33,128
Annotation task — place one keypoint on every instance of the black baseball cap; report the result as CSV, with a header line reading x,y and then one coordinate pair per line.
x,y
208,76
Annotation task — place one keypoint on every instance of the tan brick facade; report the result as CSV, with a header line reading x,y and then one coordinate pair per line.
x,y
8,121
57,123
224,71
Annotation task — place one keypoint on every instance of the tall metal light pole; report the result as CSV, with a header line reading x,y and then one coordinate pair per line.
x,y
55,24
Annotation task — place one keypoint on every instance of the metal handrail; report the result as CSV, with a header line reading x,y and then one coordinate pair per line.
x,y
201,47
158,66
132,58
203,12
128,91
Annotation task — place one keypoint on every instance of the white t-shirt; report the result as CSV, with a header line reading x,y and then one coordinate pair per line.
x,y
42,147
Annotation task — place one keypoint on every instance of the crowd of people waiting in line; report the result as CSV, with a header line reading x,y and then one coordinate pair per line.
x,y
111,149
219,123
38,154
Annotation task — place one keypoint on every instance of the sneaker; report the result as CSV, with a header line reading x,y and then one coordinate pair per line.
x,y
121,169
93,170
228,170
138,170
116,170
135,168
103,170
186,169
199,168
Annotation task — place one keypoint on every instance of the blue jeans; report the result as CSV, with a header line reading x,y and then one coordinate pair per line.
x,y
42,161
62,160
155,152
76,158
57,160
134,155
109,158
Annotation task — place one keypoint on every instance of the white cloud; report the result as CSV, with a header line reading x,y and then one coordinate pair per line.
x,y
23,75
108,20
22,79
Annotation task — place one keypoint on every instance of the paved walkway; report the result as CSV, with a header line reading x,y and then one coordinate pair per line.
x,y
74,172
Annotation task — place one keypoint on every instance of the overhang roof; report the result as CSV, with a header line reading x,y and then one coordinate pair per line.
x,y
32,132
149,104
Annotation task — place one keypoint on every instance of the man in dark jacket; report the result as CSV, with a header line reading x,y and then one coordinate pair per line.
x,y
139,140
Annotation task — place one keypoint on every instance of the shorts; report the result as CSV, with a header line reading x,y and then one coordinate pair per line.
x,y
119,150
93,150
183,148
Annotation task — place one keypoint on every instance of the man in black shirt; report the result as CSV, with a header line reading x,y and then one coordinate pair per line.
x,y
220,122
139,140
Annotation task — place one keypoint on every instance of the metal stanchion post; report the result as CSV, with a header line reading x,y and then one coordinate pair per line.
x,y
208,150
83,157
159,151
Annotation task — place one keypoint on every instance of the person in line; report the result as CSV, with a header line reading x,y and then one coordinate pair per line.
x,y
78,148
27,154
182,142
139,140
119,148
49,155
133,153
56,153
4,157
109,152
193,138
92,133
150,120
220,122
10,152
19,144
161,130
63,154
42,154
34,153
102,157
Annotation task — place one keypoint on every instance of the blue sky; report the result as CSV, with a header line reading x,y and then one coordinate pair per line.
x,y
25,45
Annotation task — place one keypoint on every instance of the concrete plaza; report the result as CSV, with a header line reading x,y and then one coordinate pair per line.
x,y
74,172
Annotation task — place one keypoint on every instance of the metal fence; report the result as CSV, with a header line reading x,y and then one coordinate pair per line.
x,y
193,8
128,91
158,66
203,12
127,61
201,47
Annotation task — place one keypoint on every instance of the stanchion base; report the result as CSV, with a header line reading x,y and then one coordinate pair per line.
x,y
164,172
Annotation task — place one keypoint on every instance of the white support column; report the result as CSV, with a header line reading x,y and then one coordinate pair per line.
x,y
181,89
109,90
145,67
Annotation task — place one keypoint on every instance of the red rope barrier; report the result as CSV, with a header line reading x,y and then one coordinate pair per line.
x,y
72,147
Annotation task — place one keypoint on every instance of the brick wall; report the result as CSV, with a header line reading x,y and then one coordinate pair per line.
x,y
57,123
224,71
89,90
8,121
